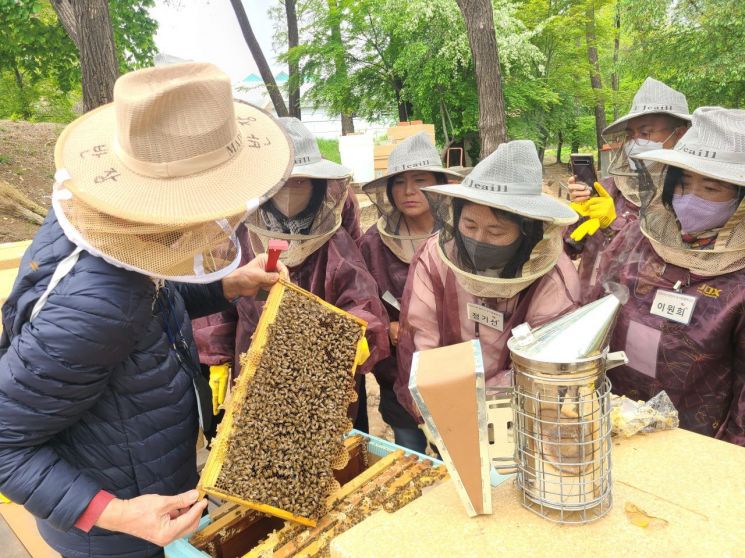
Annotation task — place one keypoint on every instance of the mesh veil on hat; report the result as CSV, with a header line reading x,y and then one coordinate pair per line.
x,y
308,160
415,153
174,148
510,179
157,181
653,97
713,146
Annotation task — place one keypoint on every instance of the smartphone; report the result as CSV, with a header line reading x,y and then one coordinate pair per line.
x,y
583,168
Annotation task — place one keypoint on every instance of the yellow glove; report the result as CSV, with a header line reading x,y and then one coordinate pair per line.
x,y
590,226
600,210
219,378
602,207
4,500
363,351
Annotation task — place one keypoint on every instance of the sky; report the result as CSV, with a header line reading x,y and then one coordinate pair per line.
x,y
208,31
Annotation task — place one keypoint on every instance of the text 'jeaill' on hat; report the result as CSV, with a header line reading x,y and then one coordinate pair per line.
x,y
158,180
653,97
510,179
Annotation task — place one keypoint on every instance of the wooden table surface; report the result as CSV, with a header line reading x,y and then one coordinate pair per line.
x,y
696,484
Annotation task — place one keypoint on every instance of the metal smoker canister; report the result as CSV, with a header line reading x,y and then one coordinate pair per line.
x,y
561,413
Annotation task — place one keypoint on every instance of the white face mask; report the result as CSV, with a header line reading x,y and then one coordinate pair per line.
x,y
632,149
293,198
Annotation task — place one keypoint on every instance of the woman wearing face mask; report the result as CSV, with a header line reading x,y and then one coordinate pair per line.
x,y
683,328
658,118
497,262
388,247
322,257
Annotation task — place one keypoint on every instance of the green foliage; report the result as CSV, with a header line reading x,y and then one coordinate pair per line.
x,y
39,65
693,46
329,149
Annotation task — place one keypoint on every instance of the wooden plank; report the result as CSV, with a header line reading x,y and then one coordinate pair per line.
x,y
23,525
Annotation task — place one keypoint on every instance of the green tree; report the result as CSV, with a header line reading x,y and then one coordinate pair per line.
x,y
39,66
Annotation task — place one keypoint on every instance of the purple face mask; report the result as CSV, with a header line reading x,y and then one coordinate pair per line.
x,y
698,215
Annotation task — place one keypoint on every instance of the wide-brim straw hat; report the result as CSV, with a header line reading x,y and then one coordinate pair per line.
x,y
653,97
510,179
714,146
308,161
415,153
174,148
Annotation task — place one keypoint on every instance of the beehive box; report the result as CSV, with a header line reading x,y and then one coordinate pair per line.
x,y
381,476
282,434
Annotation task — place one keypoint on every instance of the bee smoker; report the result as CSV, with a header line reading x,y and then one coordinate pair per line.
x,y
552,427
560,403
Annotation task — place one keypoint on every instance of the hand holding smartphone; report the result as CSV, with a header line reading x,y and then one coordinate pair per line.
x,y
583,168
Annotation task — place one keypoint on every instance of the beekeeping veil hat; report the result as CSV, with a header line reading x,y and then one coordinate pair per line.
x,y
510,179
714,147
306,222
653,97
415,153
157,181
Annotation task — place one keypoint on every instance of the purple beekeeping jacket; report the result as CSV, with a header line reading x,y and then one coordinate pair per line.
x,y
434,314
701,365
390,274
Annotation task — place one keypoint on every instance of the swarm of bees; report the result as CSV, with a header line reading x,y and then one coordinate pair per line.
x,y
288,432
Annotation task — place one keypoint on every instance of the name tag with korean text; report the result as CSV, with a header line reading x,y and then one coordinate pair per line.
x,y
486,316
677,307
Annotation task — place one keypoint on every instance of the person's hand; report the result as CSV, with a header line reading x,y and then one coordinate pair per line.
x,y
393,333
578,191
157,519
250,278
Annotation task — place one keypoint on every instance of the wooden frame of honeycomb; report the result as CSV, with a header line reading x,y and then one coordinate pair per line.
x,y
282,434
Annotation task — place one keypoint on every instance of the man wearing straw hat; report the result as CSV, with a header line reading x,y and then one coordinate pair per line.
x,y
100,395
658,118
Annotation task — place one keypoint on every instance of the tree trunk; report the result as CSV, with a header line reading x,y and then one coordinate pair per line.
x,y
294,67
340,62
444,125
483,41
253,45
66,15
616,48
98,63
559,145
347,124
595,80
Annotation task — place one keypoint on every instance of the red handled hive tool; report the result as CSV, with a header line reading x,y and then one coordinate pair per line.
x,y
274,249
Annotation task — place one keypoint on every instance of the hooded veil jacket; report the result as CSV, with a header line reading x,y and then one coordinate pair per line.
x,y
390,273
434,313
215,334
701,365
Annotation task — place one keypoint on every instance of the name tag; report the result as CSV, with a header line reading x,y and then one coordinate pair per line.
x,y
486,316
676,307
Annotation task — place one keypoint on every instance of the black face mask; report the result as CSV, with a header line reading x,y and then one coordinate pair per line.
x,y
489,256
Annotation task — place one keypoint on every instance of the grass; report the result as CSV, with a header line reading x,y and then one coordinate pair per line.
x,y
329,149
5,159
